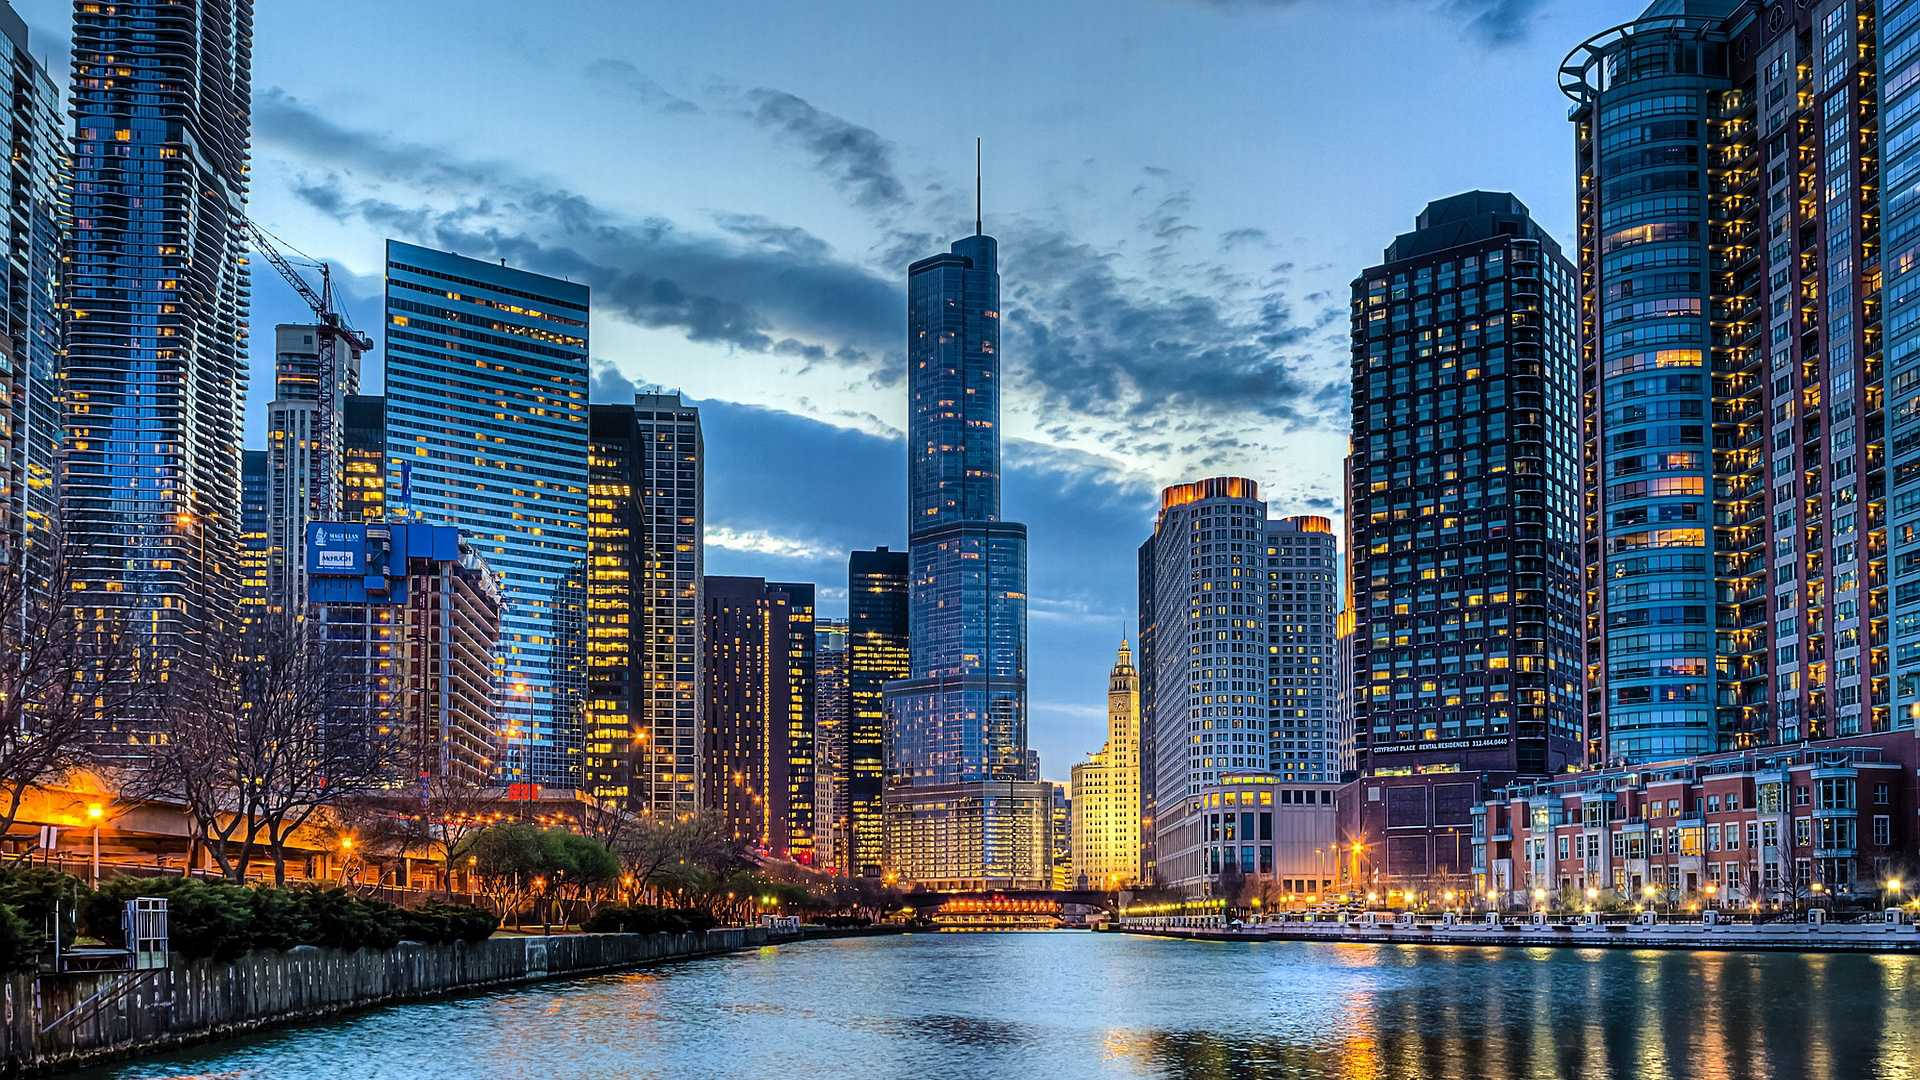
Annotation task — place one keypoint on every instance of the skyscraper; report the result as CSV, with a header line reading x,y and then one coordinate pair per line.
x,y
962,809
757,772
1302,562
1462,527
486,377
1743,473
672,541
157,320
256,500
877,654
1106,843
34,227
618,740
830,714
314,371
1211,719
363,459
1899,48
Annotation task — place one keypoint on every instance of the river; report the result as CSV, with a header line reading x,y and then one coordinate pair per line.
x,y
1059,1005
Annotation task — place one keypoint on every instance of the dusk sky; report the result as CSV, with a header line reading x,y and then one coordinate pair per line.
x,y
1182,191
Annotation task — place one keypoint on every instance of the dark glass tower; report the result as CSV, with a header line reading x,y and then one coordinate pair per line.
x,y
617,740
157,322
876,656
363,459
963,809
1462,519
256,512
757,729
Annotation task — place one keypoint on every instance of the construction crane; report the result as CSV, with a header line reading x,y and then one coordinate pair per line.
x,y
323,493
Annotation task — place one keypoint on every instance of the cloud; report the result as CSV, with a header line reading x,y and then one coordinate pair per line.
x,y
757,285
1494,23
855,157
618,78
763,543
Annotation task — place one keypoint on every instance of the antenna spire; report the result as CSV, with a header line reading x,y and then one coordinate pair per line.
x,y
977,230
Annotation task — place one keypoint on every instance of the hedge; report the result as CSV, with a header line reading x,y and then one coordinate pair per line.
x,y
222,920
647,919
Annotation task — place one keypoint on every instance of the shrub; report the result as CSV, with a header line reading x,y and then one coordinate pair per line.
x,y
33,892
204,918
19,949
647,919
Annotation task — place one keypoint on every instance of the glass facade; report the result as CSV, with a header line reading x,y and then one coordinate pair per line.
x,y
35,197
363,459
757,729
960,717
1731,350
617,742
486,378
876,655
157,296
1462,519
831,836
672,543
255,509
1899,54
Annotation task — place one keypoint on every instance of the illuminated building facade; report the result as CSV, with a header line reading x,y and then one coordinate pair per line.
x,y
672,543
757,772
877,654
1772,826
830,716
156,329
305,428
614,762
1210,654
486,379
1730,223
959,719
415,614
1106,841
1462,510
363,458
256,500
1302,568
34,231
1898,51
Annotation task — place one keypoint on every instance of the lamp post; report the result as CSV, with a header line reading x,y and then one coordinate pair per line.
x,y
94,813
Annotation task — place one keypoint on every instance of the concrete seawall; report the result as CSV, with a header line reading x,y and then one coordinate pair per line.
x,y
206,999
1777,937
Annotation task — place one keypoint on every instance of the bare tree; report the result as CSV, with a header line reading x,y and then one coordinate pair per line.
x,y
67,673
266,732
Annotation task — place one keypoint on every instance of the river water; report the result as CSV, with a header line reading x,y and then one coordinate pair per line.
x,y
1051,1006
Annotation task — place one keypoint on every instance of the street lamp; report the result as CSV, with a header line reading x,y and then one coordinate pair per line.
x,y
94,813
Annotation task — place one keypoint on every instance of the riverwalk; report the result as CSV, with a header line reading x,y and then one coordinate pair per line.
x,y
1577,931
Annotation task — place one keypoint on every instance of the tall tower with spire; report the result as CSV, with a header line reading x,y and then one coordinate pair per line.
x,y
964,809
1107,846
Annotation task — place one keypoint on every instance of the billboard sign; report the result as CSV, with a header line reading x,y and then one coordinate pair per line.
x,y
336,548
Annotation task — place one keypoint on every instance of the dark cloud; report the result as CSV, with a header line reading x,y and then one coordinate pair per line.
x,y
759,286
1093,343
858,159
618,78
1494,23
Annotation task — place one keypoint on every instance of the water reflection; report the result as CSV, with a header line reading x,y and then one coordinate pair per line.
x,y
1053,1006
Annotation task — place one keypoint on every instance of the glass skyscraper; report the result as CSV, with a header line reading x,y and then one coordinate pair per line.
x,y
34,227
960,717
305,447
877,627
486,379
1743,468
157,322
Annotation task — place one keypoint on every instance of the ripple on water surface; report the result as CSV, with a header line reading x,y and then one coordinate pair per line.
x,y
1062,1005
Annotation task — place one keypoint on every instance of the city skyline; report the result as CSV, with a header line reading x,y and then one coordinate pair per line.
x,y
765,439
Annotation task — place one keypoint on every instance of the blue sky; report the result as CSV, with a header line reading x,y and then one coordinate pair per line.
x,y
1182,190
